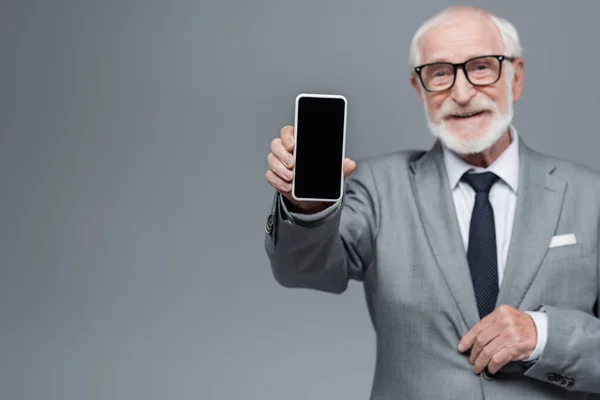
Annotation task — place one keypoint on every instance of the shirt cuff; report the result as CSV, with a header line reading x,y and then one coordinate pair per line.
x,y
308,217
540,319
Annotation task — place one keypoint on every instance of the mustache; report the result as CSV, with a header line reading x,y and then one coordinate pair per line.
x,y
450,108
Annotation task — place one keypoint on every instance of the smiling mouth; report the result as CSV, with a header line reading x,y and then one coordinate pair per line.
x,y
467,115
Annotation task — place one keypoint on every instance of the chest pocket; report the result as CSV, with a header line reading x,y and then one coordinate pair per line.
x,y
567,252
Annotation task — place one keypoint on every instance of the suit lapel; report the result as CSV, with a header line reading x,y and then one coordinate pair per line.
x,y
539,201
436,207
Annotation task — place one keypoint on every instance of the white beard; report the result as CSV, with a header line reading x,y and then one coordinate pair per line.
x,y
497,129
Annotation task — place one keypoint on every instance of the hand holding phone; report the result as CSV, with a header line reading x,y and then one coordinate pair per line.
x,y
307,164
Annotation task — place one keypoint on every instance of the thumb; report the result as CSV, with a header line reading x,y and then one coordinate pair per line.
x,y
349,167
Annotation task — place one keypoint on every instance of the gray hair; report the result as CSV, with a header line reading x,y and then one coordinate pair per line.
x,y
510,36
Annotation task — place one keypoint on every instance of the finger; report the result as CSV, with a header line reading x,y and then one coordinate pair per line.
x,y
483,339
279,169
485,355
499,360
278,183
287,137
281,153
349,167
468,339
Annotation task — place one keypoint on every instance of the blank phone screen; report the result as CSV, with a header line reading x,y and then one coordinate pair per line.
x,y
319,148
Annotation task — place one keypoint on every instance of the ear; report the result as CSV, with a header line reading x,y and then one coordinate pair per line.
x,y
519,67
416,84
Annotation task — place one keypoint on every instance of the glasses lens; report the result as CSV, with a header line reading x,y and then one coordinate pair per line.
x,y
483,71
437,77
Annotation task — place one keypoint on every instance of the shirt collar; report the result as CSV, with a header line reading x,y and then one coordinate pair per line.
x,y
506,166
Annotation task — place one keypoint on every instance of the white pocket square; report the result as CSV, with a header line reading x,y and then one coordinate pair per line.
x,y
563,240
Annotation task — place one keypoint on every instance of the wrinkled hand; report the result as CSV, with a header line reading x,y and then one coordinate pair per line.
x,y
504,335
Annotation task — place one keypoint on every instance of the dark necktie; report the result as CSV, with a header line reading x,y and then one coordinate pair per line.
x,y
482,253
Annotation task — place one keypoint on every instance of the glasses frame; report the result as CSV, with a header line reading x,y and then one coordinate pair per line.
x,y
500,58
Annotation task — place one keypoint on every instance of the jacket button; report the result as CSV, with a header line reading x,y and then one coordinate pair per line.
x,y
562,381
269,226
551,377
487,375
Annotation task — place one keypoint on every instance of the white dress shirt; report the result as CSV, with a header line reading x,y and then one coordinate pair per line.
x,y
503,197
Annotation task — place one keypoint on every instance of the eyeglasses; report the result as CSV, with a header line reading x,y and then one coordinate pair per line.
x,y
479,71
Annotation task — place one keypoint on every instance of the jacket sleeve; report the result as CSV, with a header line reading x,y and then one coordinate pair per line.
x,y
571,356
324,253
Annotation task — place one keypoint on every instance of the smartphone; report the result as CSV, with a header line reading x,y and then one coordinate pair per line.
x,y
320,145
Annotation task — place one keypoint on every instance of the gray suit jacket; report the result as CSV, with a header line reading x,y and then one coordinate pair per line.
x,y
396,231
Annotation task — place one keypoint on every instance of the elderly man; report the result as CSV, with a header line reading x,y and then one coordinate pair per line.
x,y
479,257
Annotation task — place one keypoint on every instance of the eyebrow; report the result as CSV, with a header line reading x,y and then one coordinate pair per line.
x,y
437,58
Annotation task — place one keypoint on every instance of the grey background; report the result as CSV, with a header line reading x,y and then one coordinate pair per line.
x,y
133,143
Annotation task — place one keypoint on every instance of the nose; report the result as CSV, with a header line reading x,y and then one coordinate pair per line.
x,y
462,91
